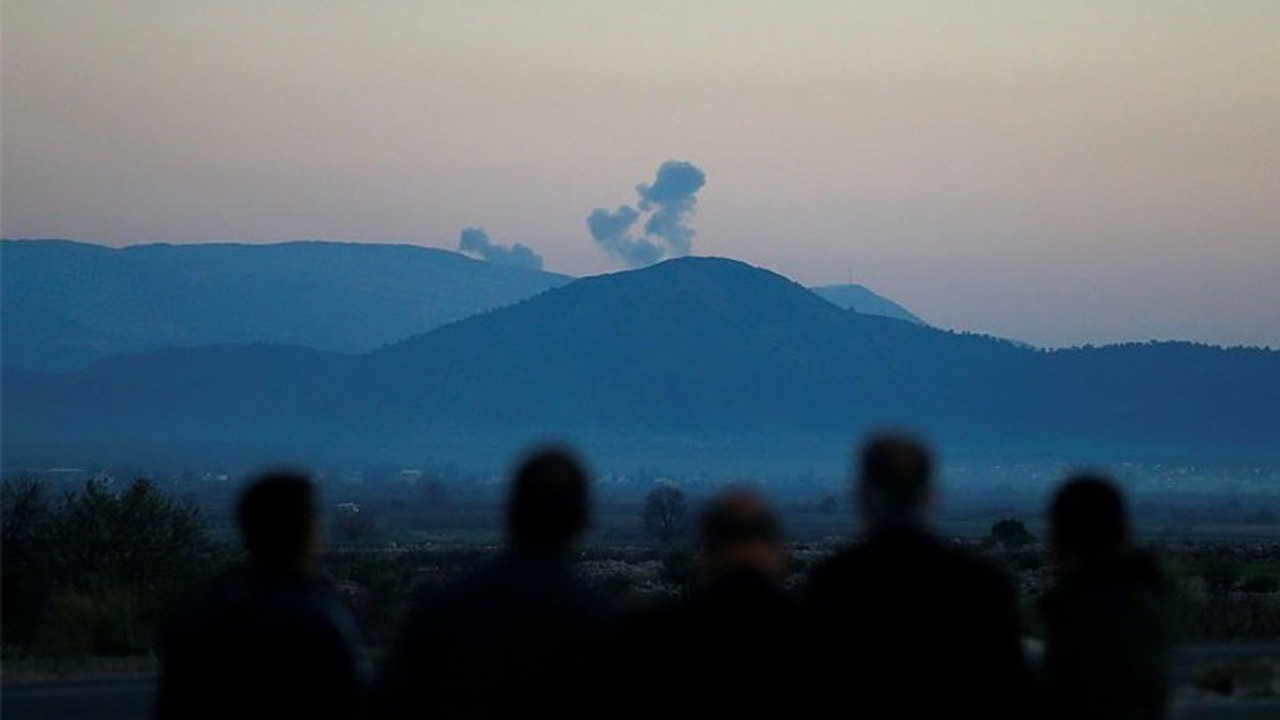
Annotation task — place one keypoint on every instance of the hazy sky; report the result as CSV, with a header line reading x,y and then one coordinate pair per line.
x,y
1057,172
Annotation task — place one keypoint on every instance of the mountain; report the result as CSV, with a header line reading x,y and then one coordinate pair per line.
x,y
69,303
859,299
695,362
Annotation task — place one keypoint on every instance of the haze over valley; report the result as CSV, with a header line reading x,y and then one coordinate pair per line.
x,y
306,352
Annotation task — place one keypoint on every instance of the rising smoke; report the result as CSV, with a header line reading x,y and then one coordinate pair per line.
x,y
476,242
670,202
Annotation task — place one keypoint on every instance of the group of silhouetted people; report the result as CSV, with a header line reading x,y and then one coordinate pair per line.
x,y
902,624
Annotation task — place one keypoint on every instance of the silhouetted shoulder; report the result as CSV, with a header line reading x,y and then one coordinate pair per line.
x,y
736,647
968,564
1123,603
1108,621
511,638
912,559
261,644
827,576
645,637
902,606
543,585
1136,573
279,605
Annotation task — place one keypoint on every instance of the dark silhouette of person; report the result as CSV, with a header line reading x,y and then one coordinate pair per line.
x,y
520,637
266,639
1107,621
915,627
738,645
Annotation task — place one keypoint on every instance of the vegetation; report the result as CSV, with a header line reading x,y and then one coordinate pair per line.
x,y
70,303
93,571
1261,584
771,387
1221,574
664,513
1011,533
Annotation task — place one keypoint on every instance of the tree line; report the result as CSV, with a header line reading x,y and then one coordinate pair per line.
x,y
92,570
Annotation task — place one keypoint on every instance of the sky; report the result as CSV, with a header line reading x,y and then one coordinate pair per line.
x,y
1059,173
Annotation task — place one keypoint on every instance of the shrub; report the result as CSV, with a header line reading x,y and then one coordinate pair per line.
x,y
25,567
679,568
664,512
97,570
352,524
1238,617
617,585
1221,574
1260,584
377,587
104,621
1242,678
1011,533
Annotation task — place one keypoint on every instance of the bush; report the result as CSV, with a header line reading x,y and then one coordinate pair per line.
x,y
1237,617
1260,584
1221,574
353,525
96,571
105,621
378,588
680,568
25,571
1011,533
617,585
664,513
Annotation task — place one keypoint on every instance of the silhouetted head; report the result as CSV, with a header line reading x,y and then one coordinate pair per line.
x,y
547,508
277,517
895,478
1088,520
739,529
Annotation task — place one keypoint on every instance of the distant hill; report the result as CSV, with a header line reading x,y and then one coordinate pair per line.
x,y
69,303
859,299
695,362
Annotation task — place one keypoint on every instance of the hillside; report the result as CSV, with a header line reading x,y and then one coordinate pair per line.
x,y
67,304
70,303
860,299
697,361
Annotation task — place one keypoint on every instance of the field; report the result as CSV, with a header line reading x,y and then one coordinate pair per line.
x,y
76,608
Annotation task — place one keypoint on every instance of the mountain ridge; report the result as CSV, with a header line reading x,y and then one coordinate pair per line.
x,y
68,303
709,360
853,296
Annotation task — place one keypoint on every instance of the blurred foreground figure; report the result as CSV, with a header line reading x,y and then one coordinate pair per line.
x,y
738,646
914,627
266,640
517,638
1107,622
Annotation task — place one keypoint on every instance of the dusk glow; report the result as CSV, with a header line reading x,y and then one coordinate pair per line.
x,y
1056,173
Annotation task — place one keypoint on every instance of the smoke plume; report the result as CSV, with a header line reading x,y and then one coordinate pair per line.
x,y
475,241
670,202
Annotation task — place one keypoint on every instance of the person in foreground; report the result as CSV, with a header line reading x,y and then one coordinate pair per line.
x,y
917,627
738,645
519,637
1108,620
266,639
